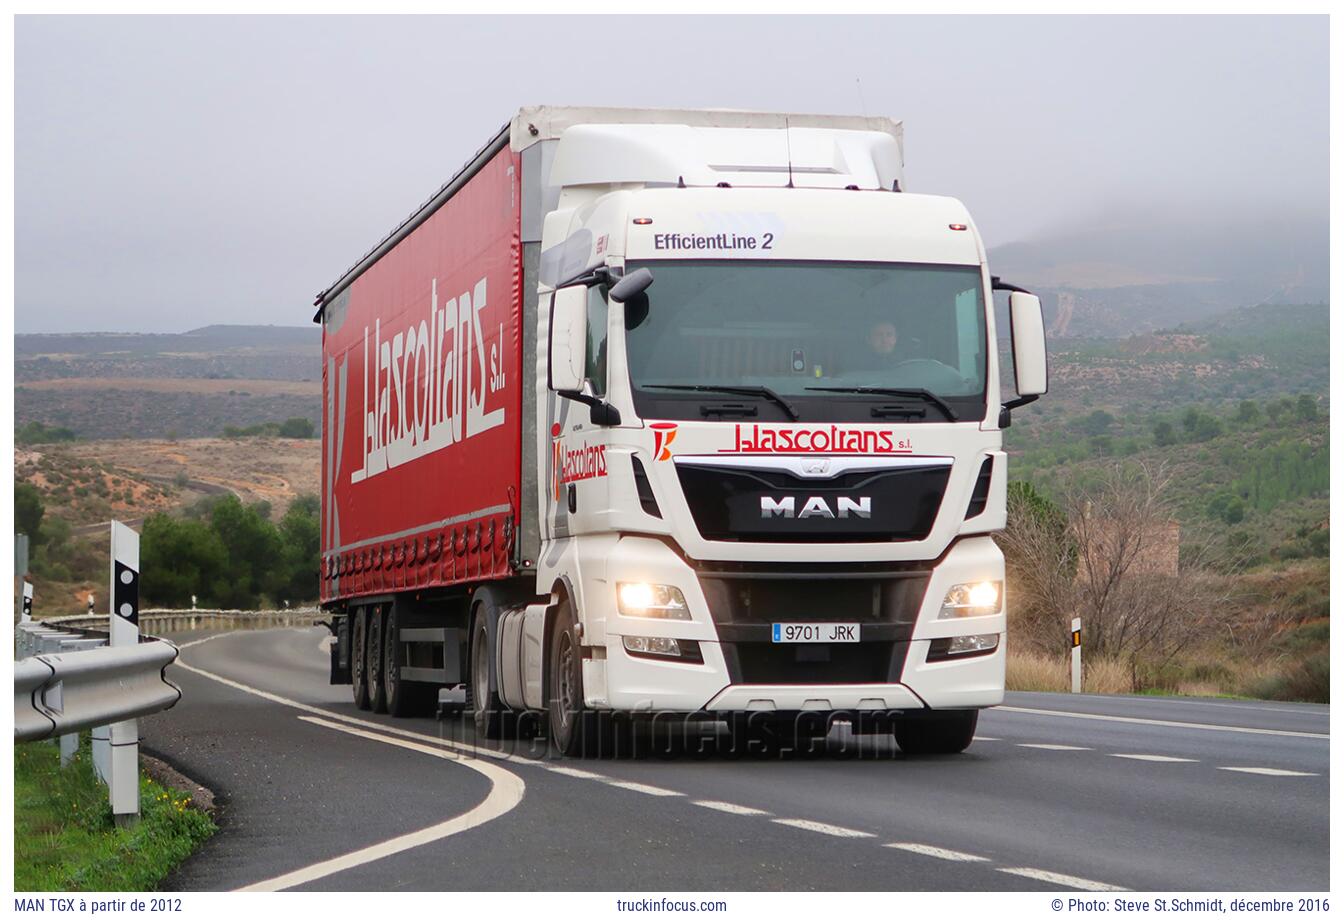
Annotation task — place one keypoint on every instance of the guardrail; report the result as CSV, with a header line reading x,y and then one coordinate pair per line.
x,y
86,689
164,620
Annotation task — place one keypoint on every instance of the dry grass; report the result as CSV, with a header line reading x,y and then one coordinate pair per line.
x,y
1030,670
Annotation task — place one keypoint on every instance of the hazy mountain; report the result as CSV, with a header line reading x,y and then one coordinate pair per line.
x,y
1135,271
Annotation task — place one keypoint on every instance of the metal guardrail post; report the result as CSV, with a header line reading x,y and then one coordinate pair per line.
x,y
124,628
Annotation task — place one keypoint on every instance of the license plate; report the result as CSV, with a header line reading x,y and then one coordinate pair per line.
x,y
815,632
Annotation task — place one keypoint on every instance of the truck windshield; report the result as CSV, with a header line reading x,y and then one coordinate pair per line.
x,y
851,341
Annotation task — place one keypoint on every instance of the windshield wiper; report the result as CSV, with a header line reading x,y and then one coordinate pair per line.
x,y
916,392
737,390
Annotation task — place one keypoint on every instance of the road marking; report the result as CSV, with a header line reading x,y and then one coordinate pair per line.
x,y
1267,771
640,787
506,791
575,772
1068,881
1155,758
1056,747
820,827
936,852
983,738
1163,722
730,808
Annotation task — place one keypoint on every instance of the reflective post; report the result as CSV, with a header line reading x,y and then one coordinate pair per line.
x,y
124,629
1076,663
27,615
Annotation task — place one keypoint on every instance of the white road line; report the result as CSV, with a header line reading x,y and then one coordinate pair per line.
x,y
1266,771
1068,881
729,808
575,772
640,787
936,852
821,828
1155,758
506,791
983,738
1056,747
1165,723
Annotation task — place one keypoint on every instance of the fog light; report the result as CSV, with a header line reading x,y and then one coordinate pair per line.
x,y
652,645
640,599
962,647
974,599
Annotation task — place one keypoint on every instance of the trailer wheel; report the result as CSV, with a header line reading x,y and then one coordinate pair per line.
x,y
375,659
942,733
403,699
576,730
487,709
359,635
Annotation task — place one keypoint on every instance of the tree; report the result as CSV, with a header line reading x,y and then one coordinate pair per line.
x,y
1248,412
28,511
300,533
1097,423
1306,407
180,558
1164,434
253,546
296,428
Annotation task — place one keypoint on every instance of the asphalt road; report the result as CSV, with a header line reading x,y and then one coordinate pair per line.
x,y
1058,793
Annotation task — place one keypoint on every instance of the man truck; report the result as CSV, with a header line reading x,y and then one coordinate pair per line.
x,y
655,412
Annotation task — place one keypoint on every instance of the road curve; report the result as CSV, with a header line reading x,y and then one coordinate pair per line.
x,y
1058,793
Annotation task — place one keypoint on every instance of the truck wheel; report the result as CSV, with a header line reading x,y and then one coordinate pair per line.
x,y
359,636
576,730
403,699
942,733
487,709
374,662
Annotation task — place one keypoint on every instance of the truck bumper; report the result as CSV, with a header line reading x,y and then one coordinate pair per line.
x,y
639,683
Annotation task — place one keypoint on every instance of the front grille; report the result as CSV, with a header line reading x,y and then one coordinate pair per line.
x,y
745,608
898,504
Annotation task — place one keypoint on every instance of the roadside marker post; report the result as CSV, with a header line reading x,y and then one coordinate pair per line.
x,y
124,630
1076,653
27,615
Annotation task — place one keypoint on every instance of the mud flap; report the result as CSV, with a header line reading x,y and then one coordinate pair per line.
x,y
340,651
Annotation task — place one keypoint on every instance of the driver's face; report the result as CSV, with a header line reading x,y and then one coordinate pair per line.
x,y
882,338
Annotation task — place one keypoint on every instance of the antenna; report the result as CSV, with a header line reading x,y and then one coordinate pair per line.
x,y
863,106
788,150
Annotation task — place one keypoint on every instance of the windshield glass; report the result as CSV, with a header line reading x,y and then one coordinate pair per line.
x,y
812,334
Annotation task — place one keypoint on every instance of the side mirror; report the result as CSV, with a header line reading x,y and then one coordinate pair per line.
x,y
631,285
1028,331
568,338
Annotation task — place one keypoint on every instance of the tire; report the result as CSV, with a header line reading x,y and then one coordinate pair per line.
x,y
359,636
576,730
375,660
486,708
941,733
403,699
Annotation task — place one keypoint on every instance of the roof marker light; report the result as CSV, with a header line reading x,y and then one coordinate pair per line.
x,y
956,226
643,221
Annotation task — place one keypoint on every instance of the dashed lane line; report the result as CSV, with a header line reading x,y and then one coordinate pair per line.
x,y
1055,747
506,791
730,808
1267,771
936,852
1165,723
821,827
640,787
1056,878
1155,758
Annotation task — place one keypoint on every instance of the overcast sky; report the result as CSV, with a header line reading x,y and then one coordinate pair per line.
x,y
173,172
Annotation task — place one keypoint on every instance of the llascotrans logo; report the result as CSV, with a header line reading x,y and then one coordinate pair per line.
x,y
664,433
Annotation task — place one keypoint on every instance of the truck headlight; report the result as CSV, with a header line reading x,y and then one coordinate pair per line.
x,y
641,599
973,599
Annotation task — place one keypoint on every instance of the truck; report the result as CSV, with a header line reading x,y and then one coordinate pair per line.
x,y
674,414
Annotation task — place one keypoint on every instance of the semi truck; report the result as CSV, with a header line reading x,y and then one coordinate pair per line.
x,y
674,413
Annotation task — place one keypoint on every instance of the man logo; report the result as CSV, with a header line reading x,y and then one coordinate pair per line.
x,y
664,433
816,506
